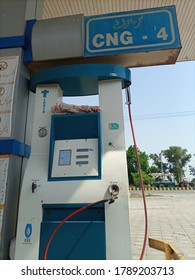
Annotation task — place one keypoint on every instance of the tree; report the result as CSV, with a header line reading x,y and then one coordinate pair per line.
x,y
192,170
158,163
177,159
132,165
148,180
153,169
193,181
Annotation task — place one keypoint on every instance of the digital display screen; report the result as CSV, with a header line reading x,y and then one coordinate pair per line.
x,y
64,157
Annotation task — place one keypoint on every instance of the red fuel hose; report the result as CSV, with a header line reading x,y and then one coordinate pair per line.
x,y
140,173
66,219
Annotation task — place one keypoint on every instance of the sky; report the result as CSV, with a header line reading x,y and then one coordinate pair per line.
x,y
163,108
166,96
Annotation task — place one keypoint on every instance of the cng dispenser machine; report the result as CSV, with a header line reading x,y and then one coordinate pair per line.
x,y
76,160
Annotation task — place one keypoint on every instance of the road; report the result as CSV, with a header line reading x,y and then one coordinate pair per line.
x,y
171,217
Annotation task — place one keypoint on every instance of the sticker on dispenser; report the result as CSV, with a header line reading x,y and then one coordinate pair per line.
x,y
28,233
113,126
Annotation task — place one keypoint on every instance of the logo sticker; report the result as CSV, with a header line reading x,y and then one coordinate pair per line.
x,y
28,230
45,93
28,233
113,126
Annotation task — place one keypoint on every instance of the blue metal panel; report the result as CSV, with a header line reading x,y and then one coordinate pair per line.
x,y
80,239
75,126
57,212
134,31
12,42
28,45
12,146
79,80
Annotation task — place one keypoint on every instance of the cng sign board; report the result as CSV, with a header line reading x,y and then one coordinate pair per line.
x,y
135,31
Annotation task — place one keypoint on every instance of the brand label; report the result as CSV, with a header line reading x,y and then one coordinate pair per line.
x,y
28,233
45,93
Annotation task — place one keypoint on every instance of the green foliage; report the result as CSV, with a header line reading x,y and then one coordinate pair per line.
x,y
157,161
153,169
192,170
132,163
172,160
193,181
148,180
177,159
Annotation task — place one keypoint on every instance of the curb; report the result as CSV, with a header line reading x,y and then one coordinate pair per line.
x,y
162,189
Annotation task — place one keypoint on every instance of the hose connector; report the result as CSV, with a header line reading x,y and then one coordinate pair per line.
x,y
113,191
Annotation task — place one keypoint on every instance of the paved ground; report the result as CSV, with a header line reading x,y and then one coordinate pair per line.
x,y
171,216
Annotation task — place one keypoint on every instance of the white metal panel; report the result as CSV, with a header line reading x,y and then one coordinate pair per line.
x,y
79,158
115,169
60,42
185,14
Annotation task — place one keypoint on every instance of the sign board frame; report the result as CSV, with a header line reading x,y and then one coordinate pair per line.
x,y
134,31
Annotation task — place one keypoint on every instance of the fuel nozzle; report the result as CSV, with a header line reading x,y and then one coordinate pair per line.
x,y
114,191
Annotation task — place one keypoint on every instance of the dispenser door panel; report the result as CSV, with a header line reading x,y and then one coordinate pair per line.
x,y
83,237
